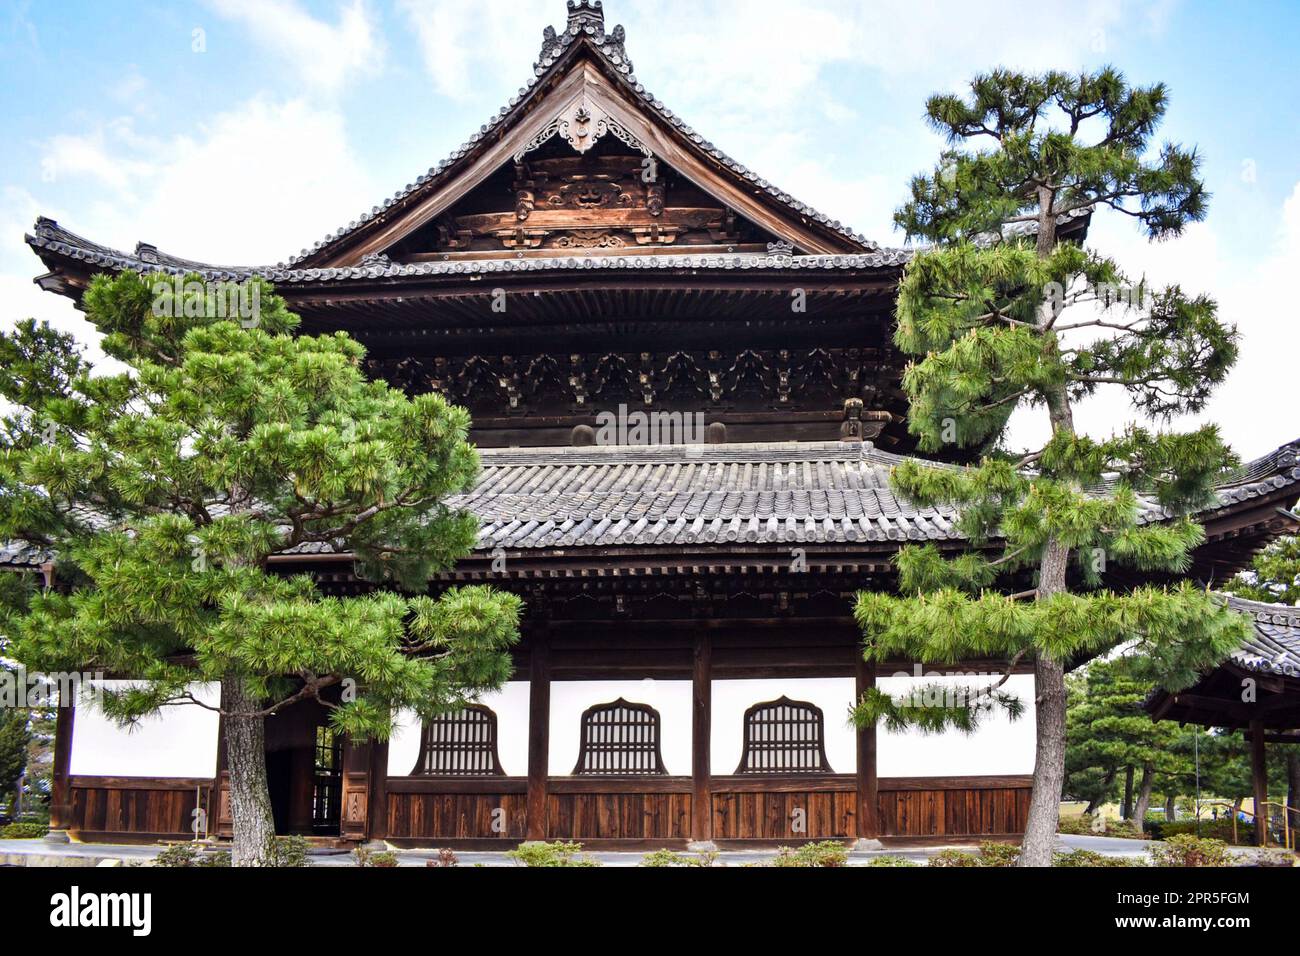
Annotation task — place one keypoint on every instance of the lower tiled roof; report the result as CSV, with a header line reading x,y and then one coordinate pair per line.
x,y
788,492
1275,646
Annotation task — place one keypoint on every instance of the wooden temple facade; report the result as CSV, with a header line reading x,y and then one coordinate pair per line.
x,y
588,254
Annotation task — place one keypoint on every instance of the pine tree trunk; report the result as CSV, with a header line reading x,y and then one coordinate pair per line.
x,y
250,798
1049,750
1096,802
1171,808
1126,808
1144,796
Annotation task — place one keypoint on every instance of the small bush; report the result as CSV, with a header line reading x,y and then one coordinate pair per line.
x,y
1187,850
999,854
288,852
446,857
954,858
1089,825
377,858
188,856
550,854
663,858
826,853
1220,829
891,861
23,831
1090,858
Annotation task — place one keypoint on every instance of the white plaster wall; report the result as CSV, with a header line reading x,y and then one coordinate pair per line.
x,y
180,742
998,746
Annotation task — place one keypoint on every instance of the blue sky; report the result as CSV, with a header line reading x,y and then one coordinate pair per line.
x,y
240,131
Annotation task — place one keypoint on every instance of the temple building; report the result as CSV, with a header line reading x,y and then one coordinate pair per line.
x,y
687,401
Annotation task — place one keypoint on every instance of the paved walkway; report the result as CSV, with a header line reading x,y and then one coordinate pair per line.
x,y
40,853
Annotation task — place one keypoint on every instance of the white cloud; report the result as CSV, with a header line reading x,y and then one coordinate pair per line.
x,y
326,55
251,186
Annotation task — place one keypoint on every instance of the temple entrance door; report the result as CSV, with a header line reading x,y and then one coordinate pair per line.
x,y
327,782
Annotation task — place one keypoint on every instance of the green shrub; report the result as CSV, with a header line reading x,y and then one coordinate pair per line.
x,y
1220,829
662,858
826,853
891,861
1087,825
288,851
999,854
954,858
23,831
550,854
379,858
1090,858
1187,850
187,856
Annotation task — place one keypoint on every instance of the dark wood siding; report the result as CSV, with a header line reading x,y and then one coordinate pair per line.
x,y
136,808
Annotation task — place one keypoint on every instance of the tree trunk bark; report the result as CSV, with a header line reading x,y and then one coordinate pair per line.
x,y
250,798
1144,796
1049,711
1126,808
1095,803
1171,808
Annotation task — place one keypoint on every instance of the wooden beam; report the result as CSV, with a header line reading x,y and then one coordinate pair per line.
x,y
377,818
61,774
701,738
1259,773
539,732
868,784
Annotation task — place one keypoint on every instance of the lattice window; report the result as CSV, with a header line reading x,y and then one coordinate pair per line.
x,y
620,738
462,743
784,736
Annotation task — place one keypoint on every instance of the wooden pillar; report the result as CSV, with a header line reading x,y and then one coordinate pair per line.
x,y
701,739
867,781
377,820
61,772
539,732
1259,772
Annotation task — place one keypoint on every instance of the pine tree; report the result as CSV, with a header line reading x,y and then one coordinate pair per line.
x,y
15,739
1274,576
999,315
1108,734
166,490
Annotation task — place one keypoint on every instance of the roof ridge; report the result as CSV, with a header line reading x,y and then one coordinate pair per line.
x,y
739,452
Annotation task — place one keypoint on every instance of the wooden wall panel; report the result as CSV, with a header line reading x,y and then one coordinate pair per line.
x,y
140,807
456,816
618,816
823,815
958,811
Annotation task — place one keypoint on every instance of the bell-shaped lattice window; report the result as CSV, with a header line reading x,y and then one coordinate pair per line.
x,y
620,738
784,736
462,743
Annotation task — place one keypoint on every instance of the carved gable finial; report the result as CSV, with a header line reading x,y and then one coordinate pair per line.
x,y
583,12
586,18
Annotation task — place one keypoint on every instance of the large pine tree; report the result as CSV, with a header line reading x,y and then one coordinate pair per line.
x,y
1000,315
167,490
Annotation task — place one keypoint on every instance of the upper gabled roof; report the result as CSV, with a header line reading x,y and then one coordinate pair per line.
x,y
583,89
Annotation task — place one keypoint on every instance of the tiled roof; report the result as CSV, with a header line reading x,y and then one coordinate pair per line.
x,y
768,494
789,492
49,235
1275,647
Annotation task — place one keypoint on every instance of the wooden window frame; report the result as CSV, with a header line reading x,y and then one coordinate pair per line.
x,y
819,744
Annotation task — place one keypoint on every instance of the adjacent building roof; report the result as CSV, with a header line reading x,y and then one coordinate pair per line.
x,y
1275,646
